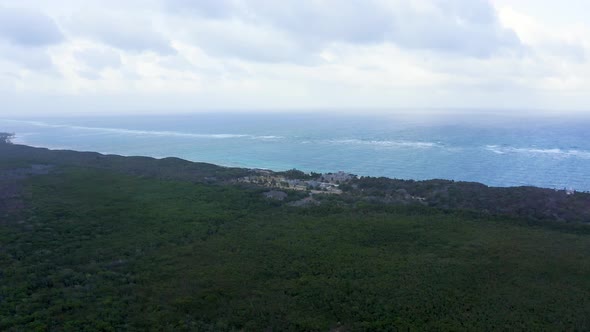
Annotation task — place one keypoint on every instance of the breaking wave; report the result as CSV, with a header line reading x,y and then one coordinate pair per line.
x,y
537,151
399,144
148,132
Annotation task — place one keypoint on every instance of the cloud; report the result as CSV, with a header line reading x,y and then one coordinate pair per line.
x,y
31,59
468,28
99,58
95,60
319,22
546,40
204,8
129,33
238,40
308,22
572,51
28,28
298,53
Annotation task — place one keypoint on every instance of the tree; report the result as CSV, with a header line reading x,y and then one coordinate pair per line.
x,y
5,138
294,174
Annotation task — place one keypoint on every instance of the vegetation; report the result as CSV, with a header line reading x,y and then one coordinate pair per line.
x,y
295,174
524,202
5,138
130,245
167,168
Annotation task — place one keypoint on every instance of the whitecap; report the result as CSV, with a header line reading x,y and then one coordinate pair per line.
x,y
147,132
564,153
387,143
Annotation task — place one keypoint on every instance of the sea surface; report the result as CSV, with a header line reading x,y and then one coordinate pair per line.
x,y
497,150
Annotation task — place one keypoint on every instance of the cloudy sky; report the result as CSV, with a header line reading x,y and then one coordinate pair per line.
x,y
114,56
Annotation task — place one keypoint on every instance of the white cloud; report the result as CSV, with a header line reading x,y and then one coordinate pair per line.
x,y
25,58
120,30
463,27
99,59
190,55
236,39
28,27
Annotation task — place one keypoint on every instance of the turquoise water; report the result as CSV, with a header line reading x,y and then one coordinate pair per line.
x,y
551,152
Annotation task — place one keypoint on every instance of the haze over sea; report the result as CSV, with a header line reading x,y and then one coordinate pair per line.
x,y
496,150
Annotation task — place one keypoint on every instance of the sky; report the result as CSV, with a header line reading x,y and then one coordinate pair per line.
x,y
159,56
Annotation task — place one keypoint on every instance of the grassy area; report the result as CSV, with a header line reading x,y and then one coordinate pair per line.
x,y
105,251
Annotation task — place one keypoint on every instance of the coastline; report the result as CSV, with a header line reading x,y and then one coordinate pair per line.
x,y
17,141
524,201
496,154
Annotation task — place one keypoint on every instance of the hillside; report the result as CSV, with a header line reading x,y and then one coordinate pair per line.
x,y
108,243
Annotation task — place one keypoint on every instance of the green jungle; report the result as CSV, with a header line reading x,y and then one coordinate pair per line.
x,y
92,242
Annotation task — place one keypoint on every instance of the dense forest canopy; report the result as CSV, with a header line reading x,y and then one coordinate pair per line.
x,y
90,242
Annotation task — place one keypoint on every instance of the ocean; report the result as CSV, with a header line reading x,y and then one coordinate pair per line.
x,y
497,150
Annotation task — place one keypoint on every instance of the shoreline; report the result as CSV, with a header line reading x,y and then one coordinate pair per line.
x,y
371,151
346,189
230,166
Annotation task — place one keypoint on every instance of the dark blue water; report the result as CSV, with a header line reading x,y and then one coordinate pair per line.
x,y
496,150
